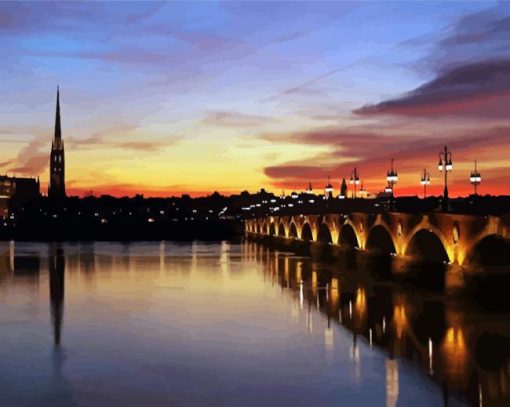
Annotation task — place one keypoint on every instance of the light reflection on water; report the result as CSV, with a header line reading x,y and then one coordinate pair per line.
x,y
222,324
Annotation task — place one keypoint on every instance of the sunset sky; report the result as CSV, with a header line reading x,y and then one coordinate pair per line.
x,y
171,98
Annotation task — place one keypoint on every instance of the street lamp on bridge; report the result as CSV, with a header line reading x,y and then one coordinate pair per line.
x,y
328,189
445,164
392,178
475,178
354,180
425,180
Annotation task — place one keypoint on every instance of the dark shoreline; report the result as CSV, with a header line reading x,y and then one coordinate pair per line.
x,y
177,231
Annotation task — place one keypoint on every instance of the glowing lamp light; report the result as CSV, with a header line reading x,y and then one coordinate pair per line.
x,y
294,195
328,189
392,176
475,178
425,180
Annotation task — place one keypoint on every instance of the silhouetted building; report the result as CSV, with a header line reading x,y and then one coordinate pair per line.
x,y
57,188
328,190
343,189
15,190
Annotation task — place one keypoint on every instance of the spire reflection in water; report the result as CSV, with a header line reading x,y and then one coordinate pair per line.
x,y
56,264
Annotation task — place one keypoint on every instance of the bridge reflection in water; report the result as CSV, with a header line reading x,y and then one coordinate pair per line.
x,y
460,349
465,247
463,350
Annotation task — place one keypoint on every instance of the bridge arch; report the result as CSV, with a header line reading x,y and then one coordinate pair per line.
x,y
306,232
282,230
429,245
380,240
293,232
489,250
272,229
324,234
264,228
348,236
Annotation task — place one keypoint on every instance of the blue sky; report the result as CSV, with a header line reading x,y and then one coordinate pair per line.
x,y
198,96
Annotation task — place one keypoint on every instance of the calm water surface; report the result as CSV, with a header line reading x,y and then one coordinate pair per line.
x,y
113,324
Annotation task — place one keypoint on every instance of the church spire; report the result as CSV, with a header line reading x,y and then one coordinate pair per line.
x,y
58,129
57,186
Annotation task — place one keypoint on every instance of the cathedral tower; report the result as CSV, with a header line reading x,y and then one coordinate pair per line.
x,y
57,187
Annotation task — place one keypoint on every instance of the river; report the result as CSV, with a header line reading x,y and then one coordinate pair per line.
x,y
233,324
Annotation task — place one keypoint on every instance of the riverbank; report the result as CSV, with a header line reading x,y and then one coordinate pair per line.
x,y
73,230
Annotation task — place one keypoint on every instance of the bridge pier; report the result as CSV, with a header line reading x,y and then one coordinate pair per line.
x,y
454,278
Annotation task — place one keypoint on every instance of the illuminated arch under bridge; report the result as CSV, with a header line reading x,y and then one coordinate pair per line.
x,y
452,238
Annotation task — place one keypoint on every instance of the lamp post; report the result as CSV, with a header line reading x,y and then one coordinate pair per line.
x,y
392,178
475,178
425,180
354,180
445,164
328,189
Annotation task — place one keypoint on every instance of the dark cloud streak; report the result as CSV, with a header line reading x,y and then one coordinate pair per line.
x,y
474,89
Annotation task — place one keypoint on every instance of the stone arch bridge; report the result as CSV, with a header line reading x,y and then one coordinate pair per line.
x,y
452,238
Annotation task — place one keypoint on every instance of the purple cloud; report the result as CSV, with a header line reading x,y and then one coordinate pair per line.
x,y
476,89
